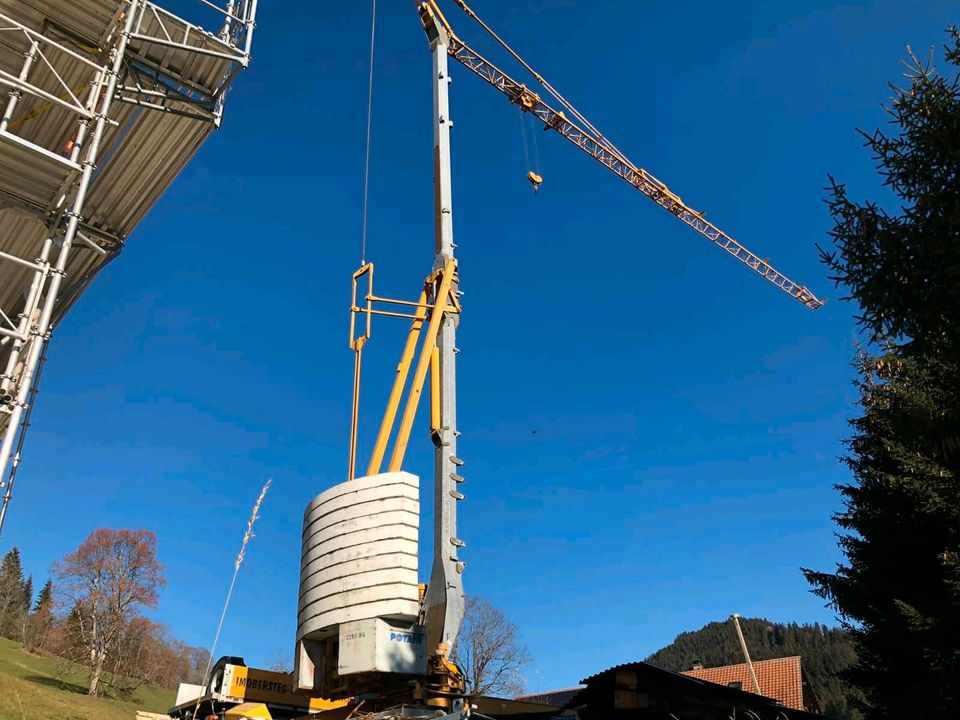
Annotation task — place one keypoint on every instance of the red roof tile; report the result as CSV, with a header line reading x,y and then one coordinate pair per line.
x,y
779,679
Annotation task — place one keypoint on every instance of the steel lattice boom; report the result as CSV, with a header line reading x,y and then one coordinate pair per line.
x,y
601,150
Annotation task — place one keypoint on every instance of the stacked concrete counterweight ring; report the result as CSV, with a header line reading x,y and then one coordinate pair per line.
x,y
359,559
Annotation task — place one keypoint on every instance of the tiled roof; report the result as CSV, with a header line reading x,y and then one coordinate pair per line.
x,y
780,679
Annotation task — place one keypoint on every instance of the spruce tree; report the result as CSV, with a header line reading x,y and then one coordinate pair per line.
x,y
13,590
45,598
27,590
898,589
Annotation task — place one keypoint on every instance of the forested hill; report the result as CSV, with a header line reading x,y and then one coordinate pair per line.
x,y
825,652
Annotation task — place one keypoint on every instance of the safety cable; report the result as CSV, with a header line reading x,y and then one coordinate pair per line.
x,y
366,168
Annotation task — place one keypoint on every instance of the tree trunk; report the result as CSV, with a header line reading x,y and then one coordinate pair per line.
x,y
96,673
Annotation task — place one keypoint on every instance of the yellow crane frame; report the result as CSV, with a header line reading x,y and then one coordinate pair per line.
x,y
436,300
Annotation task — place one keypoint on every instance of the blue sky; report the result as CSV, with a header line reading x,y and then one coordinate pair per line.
x,y
650,430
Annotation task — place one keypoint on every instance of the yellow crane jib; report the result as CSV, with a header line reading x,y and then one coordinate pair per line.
x,y
576,129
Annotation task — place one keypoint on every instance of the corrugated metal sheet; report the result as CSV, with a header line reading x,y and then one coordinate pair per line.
x,y
143,164
205,71
88,19
18,231
27,176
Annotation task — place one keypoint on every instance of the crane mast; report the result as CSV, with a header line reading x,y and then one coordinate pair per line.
x,y
444,602
585,137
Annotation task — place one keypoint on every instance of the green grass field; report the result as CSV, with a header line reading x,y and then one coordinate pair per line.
x,y
38,688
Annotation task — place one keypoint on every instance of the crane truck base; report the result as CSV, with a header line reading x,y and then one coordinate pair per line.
x,y
232,684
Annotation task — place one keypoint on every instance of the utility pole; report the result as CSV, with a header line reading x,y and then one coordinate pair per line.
x,y
746,654
444,600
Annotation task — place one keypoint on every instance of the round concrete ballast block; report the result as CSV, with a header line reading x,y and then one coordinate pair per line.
x,y
360,550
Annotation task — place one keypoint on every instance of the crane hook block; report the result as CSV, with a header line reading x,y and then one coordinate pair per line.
x,y
535,180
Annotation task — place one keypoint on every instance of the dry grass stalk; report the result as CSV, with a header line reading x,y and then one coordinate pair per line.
x,y
247,536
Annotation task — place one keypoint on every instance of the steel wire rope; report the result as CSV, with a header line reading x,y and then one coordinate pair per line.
x,y
531,169
523,140
536,150
366,166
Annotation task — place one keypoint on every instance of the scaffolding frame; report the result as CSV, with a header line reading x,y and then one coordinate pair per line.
x,y
107,100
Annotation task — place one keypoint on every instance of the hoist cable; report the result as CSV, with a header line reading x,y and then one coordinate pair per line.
x,y
366,168
523,139
536,150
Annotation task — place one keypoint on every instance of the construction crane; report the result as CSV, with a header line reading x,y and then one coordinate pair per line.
x,y
583,135
444,603
444,596
365,626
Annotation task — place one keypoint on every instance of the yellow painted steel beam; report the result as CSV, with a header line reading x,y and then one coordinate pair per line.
x,y
441,300
435,390
357,343
399,381
355,410
410,303
367,270
389,313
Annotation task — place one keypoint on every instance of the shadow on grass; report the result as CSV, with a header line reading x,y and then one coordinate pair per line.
x,y
56,683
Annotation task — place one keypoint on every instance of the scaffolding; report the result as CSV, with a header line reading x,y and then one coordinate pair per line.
x,y
107,101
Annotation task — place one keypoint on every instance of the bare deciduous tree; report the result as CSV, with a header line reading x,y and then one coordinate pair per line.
x,y
489,650
198,659
145,655
40,621
107,580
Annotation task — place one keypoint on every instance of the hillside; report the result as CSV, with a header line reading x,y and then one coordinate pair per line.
x,y
42,688
825,653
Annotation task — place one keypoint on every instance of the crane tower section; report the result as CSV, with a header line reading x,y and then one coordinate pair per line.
x,y
104,102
